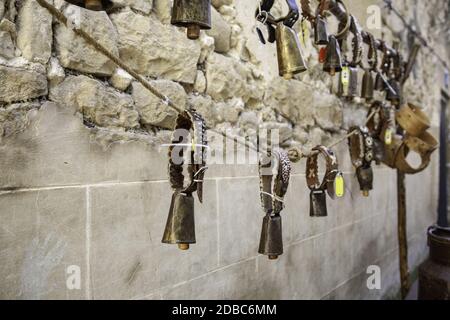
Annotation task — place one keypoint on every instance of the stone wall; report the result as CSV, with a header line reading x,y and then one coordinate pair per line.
x,y
83,177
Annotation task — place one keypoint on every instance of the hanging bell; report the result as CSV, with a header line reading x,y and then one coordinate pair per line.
x,y
367,87
193,15
180,227
365,179
394,93
94,5
333,60
380,82
318,203
320,31
378,150
290,58
348,82
271,242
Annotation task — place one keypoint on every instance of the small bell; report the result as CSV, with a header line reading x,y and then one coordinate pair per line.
x,y
320,31
365,179
378,151
94,5
380,82
271,243
394,95
290,58
348,82
333,61
367,87
180,227
318,203
193,15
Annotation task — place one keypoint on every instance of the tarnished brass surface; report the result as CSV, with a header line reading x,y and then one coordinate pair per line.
x,y
290,58
193,15
94,5
350,89
367,87
271,243
434,273
333,60
320,31
180,227
318,203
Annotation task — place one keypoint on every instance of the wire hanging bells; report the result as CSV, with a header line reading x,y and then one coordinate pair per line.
x,y
289,55
193,15
274,174
94,5
180,226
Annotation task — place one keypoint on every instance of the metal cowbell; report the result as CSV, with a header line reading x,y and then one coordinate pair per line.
x,y
394,95
94,5
290,58
365,179
193,15
348,82
318,203
333,60
180,227
271,242
380,82
320,31
367,87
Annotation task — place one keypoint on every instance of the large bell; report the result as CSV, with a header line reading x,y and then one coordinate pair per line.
x,y
318,203
180,227
193,15
367,86
348,82
290,58
320,31
271,243
365,179
333,60
95,5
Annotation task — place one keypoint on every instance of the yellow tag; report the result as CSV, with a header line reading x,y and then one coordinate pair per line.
x,y
388,137
345,76
304,34
193,145
339,186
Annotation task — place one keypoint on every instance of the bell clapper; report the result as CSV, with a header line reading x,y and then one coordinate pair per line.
x,y
287,76
193,31
93,5
273,257
365,193
332,72
183,246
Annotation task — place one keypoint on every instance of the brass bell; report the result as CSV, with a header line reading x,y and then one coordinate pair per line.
x,y
394,93
193,15
94,5
348,82
180,227
333,60
320,31
271,242
318,203
290,58
367,86
365,179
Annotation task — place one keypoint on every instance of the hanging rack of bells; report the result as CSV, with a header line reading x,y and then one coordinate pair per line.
x,y
274,165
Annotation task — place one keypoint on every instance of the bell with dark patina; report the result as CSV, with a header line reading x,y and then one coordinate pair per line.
x,y
380,82
193,15
290,58
333,60
318,203
180,227
271,242
393,94
367,86
365,179
348,82
94,5
378,150
320,31
434,273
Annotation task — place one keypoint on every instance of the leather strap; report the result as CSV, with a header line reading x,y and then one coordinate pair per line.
x,y
372,55
424,145
413,120
189,121
361,147
391,150
309,14
274,174
331,170
357,41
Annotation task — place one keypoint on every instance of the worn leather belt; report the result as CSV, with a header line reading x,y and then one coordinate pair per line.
x,y
188,121
413,120
274,174
318,188
361,154
377,126
424,145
